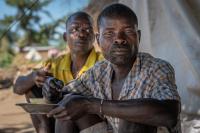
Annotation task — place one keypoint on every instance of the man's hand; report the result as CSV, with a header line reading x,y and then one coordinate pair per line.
x,y
40,75
72,107
52,90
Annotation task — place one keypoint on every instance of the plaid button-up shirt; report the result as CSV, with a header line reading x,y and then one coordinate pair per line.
x,y
149,78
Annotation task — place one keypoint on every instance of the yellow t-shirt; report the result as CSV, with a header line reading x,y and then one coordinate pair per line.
x,y
61,66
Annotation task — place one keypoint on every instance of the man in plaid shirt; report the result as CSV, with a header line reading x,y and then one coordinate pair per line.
x,y
134,91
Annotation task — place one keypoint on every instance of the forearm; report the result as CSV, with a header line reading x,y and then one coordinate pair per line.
x,y
144,111
23,84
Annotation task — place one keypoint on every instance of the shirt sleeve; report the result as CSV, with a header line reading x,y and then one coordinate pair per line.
x,y
81,85
164,87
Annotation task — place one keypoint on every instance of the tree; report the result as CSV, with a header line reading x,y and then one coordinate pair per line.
x,y
24,28
28,18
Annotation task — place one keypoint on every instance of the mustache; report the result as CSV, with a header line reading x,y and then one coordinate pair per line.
x,y
120,46
81,40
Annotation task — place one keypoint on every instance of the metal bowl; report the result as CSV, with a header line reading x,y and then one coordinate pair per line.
x,y
33,108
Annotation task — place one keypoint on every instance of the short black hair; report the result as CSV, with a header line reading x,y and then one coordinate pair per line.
x,y
117,10
81,14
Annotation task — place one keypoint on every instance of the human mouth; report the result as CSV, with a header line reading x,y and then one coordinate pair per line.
x,y
120,51
81,42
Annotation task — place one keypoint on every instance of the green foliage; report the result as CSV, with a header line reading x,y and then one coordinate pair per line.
x,y
6,54
28,17
5,59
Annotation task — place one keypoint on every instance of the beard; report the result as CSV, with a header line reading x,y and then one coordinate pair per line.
x,y
122,54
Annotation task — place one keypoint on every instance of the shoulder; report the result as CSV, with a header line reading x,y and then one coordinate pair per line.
x,y
56,61
154,64
98,69
61,58
101,65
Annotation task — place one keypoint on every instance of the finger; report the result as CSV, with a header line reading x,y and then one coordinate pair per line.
x,y
61,115
41,73
40,79
47,68
44,72
65,118
39,84
55,111
49,74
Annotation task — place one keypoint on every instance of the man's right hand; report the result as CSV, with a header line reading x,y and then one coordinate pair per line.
x,y
71,107
41,75
52,89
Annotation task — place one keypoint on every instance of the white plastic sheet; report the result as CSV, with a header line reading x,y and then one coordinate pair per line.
x,y
171,30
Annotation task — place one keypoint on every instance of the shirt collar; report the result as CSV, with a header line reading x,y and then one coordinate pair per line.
x,y
135,70
88,64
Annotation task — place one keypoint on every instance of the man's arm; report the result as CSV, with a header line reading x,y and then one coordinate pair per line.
x,y
145,111
23,84
160,109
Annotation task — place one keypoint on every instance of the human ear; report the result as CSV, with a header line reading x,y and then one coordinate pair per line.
x,y
65,36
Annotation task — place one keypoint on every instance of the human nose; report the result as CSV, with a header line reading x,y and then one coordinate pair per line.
x,y
120,38
80,33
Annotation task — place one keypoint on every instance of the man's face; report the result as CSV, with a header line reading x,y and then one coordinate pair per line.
x,y
118,38
79,35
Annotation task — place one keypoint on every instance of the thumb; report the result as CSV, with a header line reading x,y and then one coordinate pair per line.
x,y
47,68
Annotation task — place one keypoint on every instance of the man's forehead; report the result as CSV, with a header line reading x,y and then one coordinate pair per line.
x,y
80,23
76,20
110,21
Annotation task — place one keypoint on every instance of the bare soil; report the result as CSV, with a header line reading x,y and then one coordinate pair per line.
x,y
13,119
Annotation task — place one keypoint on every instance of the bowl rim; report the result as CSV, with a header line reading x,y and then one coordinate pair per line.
x,y
35,104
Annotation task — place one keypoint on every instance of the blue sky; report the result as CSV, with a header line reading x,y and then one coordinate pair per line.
x,y
57,8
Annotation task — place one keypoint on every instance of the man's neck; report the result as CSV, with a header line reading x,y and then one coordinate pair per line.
x,y
118,78
121,72
78,61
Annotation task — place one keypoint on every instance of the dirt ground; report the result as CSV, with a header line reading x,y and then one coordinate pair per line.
x,y
13,119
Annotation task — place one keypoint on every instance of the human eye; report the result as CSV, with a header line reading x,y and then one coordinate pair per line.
x,y
130,31
73,29
88,30
108,33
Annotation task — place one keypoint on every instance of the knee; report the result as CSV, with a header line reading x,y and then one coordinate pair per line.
x,y
65,127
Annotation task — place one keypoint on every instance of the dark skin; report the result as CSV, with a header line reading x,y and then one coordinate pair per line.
x,y
35,80
118,38
80,37
143,111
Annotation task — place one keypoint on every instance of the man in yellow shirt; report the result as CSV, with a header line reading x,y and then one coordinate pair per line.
x,y
80,37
